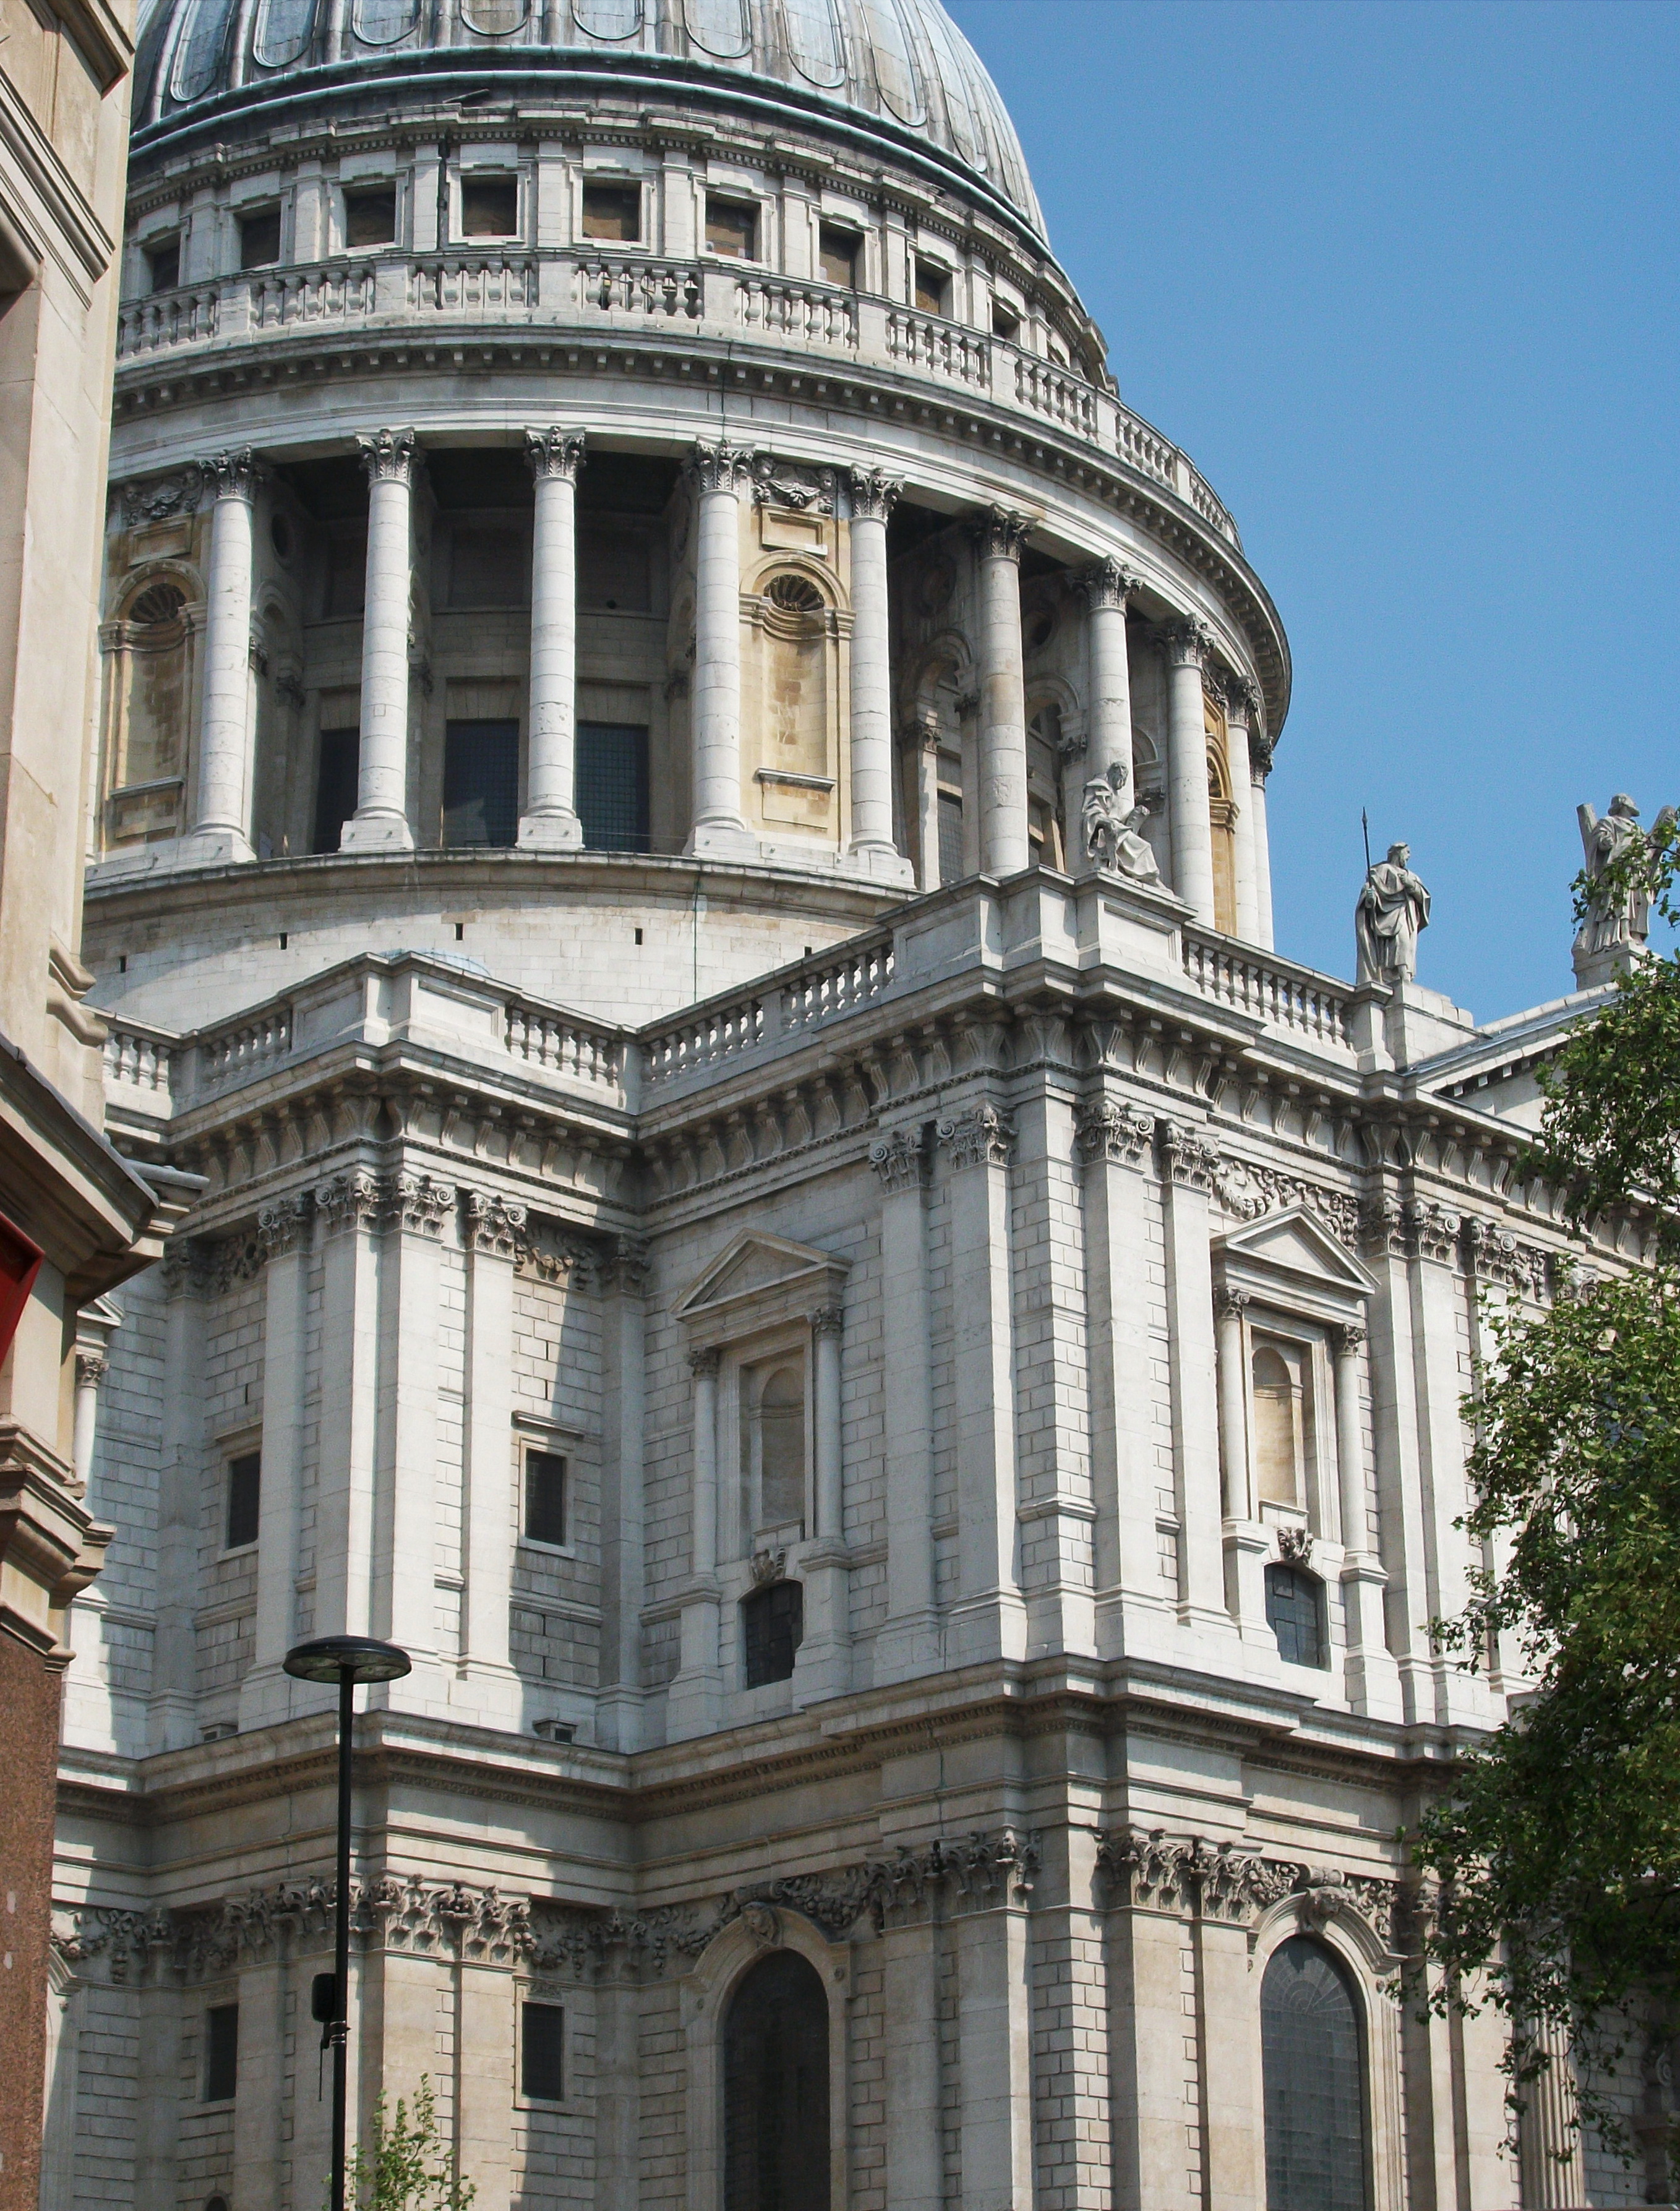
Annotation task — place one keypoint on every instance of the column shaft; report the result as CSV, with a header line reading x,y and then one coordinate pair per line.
x,y
1373,1682
1259,768
623,1336
405,1505
1005,845
996,2060
173,1714
491,1688
1187,646
692,1700
381,817
222,812
1241,699
873,496
718,827
349,1407
825,1656
1245,1539
910,1993
927,742
1108,750
550,818
265,1692
1188,1162
908,1643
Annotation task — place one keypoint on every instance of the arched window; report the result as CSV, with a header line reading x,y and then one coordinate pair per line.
x,y
1295,1613
1313,2066
1277,1428
774,1438
776,2089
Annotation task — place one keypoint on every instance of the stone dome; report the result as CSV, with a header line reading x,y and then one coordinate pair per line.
x,y
895,72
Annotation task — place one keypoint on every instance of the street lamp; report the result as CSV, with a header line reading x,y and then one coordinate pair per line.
x,y
344,1660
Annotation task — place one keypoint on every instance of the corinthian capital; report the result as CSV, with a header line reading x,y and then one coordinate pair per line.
x,y
1242,699
874,494
999,533
1108,583
232,475
554,452
1189,643
387,456
722,467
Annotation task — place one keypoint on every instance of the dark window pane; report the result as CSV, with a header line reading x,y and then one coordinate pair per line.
x,y
731,228
480,783
370,218
347,570
951,868
1313,2082
163,264
613,568
612,786
222,2053
932,288
772,1622
545,1497
837,254
259,240
776,2088
1005,323
542,2051
489,207
613,212
335,780
244,1497
1295,1613
489,566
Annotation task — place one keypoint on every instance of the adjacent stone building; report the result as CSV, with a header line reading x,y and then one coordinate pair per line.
x,y
900,1385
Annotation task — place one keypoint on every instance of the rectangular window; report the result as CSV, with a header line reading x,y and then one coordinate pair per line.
x,y
480,783
347,570
1005,323
245,1498
336,774
613,567
613,213
773,1626
612,786
260,238
731,228
837,254
489,566
370,216
489,207
933,288
163,265
951,867
222,2053
543,2052
1295,1613
545,1497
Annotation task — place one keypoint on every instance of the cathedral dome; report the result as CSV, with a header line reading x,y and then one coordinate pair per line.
x,y
895,72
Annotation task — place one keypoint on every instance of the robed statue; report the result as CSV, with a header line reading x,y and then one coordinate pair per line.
x,y
1114,839
1393,912
1617,918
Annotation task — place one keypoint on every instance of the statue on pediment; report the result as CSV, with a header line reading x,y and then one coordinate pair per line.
x,y
1114,839
1618,918
1392,913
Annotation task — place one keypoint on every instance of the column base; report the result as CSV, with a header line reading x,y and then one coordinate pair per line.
x,y
695,1700
172,1723
205,848
990,1626
721,840
1136,1624
215,848
377,832
550,832
882,863
908,1647
823,1668
620,1721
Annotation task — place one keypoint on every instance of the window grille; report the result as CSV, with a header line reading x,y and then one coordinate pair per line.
x,y
480,783
1312,2076
612,786
773,1622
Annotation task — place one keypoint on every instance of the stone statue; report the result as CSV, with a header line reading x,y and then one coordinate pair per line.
x,y
1393,911
1114,839
1617,921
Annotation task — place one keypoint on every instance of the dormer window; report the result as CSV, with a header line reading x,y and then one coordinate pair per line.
x,y
260,238
838,253
612,213
370,216
933,288
489,207
731,228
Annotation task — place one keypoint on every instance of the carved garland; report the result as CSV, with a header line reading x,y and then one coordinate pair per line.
x,y
1150,1868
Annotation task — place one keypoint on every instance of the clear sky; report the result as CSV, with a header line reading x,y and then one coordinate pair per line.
x,y
1401,278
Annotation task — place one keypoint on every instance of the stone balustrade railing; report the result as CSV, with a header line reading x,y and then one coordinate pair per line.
x,y
1273,990
536,290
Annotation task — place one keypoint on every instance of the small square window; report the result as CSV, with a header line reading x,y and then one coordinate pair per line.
x,y
545,1497
731,228
259,240
1005,323
245,1498
613,213
837,252
163,265
222,2053
933,288
489,207
370,216
543,2052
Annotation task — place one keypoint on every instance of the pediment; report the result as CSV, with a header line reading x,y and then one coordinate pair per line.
x,y
757,1270
1292,1251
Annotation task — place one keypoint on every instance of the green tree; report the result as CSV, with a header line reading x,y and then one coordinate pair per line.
x,y
404,2164
1557,1849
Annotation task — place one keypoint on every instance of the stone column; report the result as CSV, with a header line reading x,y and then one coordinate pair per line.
x,y
824,1655
1188,1162
617,2078
998,540
487,1685
1241,700
693,1700
259,2113
988,1618
1554,2169
1259,768
623,1326
550,821
1373,1683
996,2042
924,741
873,498
908,1642
1147,2025
1108,586
417,1209
173,1716
910,2007
1232,2104
719,472
221,812
90,1370
1245,1539
380,822
1439,1298
282,1230
1189,647
488,2027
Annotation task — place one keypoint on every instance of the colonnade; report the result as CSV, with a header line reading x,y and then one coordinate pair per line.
x,y
723,474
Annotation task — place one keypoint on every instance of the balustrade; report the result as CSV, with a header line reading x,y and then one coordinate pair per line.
x,y
1273,992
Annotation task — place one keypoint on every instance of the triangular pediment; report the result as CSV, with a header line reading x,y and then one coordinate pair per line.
x,y
1294,1246
756,1267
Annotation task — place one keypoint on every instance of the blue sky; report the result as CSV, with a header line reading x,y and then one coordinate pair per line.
x,y
1402,279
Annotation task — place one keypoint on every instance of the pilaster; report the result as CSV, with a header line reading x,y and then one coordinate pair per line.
x,y
624,1341
907,1643
173,1718
404,1554
824,1667
694,1702
1187,1165
485,1683
348,1211
283,1233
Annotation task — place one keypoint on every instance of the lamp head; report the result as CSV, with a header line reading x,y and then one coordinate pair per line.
x,y
338,1658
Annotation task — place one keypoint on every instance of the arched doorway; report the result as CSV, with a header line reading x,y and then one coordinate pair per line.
x,y
776,2088
1312,2063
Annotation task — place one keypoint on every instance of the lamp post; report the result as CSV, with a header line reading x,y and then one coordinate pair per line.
x,y
344,1660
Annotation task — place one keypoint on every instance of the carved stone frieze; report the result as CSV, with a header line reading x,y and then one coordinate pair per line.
x,y
1186,1874
806,487
874,494
1105,1129
162,498
978,1869
1431,1230
722,467
979,1136
349,1201
283,1223
1247,1189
